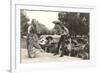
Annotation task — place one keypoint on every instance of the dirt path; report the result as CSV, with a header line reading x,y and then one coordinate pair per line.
x,y
45,57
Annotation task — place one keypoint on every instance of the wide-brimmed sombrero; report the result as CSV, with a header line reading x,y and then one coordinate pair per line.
x,y
49,37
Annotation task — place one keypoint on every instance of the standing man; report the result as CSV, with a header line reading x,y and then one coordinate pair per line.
x,y
62,41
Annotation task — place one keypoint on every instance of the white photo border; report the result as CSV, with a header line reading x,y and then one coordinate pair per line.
x,y
15,34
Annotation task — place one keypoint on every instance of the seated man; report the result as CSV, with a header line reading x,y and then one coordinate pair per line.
x,y
48,44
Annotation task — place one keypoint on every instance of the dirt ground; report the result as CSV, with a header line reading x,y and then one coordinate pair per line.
x,y
45,57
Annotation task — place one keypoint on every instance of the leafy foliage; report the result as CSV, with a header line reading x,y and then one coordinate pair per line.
x,y
77,23
24,24
41,29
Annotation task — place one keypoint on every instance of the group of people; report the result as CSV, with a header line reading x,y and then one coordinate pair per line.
x,y
63,44
32,40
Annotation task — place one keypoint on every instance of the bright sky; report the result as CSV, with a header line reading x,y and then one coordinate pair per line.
x,y
43,17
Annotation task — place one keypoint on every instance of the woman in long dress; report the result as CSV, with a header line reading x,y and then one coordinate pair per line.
x,y
32,40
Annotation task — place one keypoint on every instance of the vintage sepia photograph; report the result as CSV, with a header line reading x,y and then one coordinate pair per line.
x,y
54,36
